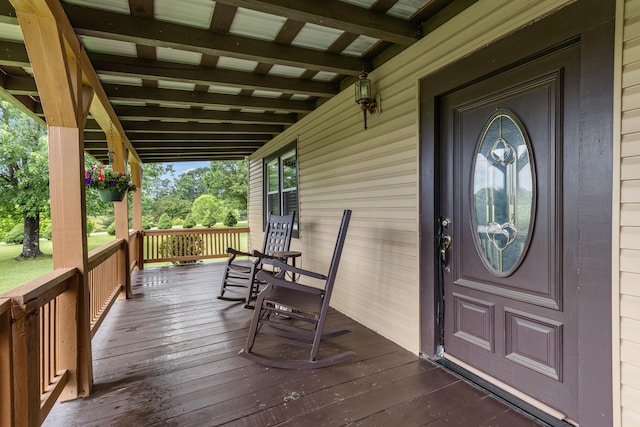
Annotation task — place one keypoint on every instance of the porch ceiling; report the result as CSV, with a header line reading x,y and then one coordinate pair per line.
x,y
207,80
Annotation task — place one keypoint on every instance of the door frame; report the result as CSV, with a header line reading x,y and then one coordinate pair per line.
x,y
591,24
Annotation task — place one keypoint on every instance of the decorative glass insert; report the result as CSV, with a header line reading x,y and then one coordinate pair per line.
x,y
503,193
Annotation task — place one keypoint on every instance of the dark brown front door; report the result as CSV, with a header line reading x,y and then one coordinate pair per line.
x,y
509,167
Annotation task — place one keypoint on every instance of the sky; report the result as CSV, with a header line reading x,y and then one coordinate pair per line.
x,y
182,167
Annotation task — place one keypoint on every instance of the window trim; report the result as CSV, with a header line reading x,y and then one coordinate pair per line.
x,y
278,156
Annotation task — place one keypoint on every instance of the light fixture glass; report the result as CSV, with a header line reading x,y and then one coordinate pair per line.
x,y
364,96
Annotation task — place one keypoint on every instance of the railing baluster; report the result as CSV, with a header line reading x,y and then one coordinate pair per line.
x,y
181,244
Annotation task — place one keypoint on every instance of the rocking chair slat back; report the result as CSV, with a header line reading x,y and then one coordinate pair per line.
x,y
239,282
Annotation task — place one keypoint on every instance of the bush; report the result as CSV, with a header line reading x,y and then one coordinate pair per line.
x,y
91,226
189,222
230,220
46,232
111,229
15,235
164,223
177,221
209,220
107,220
44,224
182,246
147,222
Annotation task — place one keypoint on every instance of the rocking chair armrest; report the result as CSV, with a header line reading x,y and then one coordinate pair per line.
x,y
257,254
236,252
271,280
283,266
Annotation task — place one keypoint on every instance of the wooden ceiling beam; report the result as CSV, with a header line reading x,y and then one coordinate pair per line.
x,y
146,146
14,54
339,15
191,127
157,96
142,113
197,74
192,158
17,85
142,31
136,138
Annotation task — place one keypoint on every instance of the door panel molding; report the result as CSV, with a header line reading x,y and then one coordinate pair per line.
x,y
534,342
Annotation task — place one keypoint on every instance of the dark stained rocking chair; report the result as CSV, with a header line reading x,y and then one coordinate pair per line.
x,y
284,311
241,274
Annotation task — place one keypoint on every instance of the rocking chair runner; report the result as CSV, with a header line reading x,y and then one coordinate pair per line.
x,y
285,309
240,274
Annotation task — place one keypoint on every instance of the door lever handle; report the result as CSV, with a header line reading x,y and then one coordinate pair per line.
x,y
445,243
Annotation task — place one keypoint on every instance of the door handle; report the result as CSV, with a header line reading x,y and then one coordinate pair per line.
x,y
445,243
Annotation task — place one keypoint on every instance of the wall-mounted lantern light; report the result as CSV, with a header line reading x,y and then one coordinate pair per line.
x,y
365,97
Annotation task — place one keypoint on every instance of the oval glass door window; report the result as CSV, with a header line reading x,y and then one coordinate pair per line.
x,y
503,193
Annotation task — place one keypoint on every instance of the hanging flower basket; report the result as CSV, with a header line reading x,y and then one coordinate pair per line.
x,y
111,185
107,195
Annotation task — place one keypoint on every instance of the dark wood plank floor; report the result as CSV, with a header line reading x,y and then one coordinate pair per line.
x,y
169,357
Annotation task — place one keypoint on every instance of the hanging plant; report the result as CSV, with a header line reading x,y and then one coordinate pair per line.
x,y
111,185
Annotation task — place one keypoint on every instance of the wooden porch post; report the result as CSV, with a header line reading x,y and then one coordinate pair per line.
x,y
66,102
121,210
68,227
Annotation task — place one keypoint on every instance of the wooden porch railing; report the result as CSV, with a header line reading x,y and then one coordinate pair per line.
x,y
39,333
192,244
107,278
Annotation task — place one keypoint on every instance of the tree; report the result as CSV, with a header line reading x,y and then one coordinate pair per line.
x,y
227,180
171,206
206,205
24,173
190,184
157,180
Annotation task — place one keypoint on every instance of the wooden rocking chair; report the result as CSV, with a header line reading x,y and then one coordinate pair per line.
x,y
284,311
241,274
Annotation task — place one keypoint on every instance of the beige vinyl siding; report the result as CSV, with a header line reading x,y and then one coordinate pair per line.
x,y
376,174
626,257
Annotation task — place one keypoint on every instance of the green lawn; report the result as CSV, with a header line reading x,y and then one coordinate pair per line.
x,y
15,273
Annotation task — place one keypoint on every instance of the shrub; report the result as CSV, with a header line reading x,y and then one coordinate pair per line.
x,y
46,232
147,222
164,223
209,220
106,221
189,222
111,229
91,226
230,220
182,246
44,224
177,221
15,235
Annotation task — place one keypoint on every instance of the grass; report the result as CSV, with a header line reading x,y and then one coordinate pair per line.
x,y
16,273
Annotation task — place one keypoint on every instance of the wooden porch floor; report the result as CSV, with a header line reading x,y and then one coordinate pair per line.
x,y
169,357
